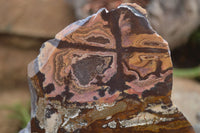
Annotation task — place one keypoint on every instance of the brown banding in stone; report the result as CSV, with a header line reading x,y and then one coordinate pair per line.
x,y
110,72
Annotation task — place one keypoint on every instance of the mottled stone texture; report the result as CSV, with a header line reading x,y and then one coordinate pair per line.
x,y
175,20
108,73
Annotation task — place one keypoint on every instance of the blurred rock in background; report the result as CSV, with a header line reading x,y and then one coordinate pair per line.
x,y
35,18
84,8
186,96
24,26
188,56
175,20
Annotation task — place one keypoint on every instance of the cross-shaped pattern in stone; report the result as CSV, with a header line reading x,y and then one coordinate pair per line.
x,y
110,72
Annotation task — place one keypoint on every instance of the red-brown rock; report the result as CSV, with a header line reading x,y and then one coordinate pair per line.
x,y
175,20
108,73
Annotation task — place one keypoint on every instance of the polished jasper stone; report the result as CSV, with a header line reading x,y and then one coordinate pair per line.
x,y
108,73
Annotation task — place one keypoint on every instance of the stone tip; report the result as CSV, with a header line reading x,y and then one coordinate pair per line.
x,y
136,7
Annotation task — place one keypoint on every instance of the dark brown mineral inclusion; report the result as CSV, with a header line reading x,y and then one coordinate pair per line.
x,y
108,73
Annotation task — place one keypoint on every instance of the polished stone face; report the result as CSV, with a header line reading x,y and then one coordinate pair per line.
x,y
110,72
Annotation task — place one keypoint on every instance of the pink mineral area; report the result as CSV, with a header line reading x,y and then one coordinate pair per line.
x,y
110,69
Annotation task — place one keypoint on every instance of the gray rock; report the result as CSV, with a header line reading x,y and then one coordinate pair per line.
x,y
197,128
198,116
175,20
186,95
